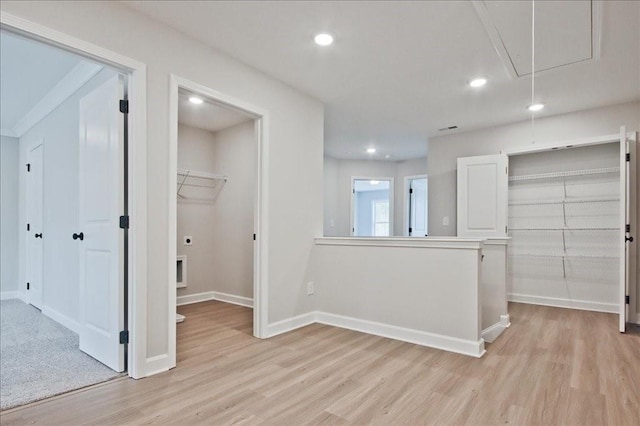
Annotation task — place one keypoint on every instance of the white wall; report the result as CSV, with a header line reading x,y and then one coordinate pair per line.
x,y
9,167
60,132
295,145
221,257
337,191
427,292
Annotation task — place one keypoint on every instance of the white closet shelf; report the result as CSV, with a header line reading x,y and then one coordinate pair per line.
x,y
203,180
567,256
564,201
571,173
565,229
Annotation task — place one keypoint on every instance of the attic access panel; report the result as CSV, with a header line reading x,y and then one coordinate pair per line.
x,y
566,32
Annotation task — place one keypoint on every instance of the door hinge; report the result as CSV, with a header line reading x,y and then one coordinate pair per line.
x,y
506,171
124,222
506,229
353,190
410,190
254,237
627,228
124,337
28,285
410,230
626,299
29,227
28,167
628,156
124,106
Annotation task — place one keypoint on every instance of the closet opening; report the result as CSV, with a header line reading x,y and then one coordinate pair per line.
x,y
216,228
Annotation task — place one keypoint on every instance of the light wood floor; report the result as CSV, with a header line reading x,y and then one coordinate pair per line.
x,y
553,366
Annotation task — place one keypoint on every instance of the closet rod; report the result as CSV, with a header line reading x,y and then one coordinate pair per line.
x,y
202,175
561,201
604,170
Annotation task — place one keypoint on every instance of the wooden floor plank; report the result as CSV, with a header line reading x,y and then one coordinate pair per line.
x,y
552,366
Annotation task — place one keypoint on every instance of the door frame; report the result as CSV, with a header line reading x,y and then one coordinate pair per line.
x,y
625,310
137,171
260,214
391,201
406,219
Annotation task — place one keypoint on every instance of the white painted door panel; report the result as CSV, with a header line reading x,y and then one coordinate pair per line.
x,y
482,196
101,288
35,214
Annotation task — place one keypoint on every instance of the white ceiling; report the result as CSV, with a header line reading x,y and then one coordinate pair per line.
x,y
397,71
29,71
208,115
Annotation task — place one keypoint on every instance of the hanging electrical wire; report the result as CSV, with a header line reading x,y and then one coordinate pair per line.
x,y
533,67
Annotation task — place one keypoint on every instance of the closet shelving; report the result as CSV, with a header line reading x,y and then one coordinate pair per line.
x,y
199,186
567,217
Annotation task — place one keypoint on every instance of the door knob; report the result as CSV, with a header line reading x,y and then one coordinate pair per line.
x,y
38,235
79,236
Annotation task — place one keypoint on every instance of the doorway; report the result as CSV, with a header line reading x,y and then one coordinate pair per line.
x,y
216,211
68,130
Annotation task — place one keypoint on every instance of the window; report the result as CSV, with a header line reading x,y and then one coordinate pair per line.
x,y
372,208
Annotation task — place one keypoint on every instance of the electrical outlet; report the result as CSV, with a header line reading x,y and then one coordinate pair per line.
x,y
188,240
445,220
311,288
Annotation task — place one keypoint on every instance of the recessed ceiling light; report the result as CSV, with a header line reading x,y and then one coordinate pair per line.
x,y
478,82
323,39
195,100
535,107
371,150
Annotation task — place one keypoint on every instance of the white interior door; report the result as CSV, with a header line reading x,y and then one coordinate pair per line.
x,y
35,200
482,196
99,236
418,207
627,240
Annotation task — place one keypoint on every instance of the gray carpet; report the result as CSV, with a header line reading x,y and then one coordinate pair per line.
x,y
39,358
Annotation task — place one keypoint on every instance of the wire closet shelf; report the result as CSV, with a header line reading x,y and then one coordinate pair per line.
x,y
199,186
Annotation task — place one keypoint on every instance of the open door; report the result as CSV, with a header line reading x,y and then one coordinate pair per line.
x,y
35,200
99,235
628,242
483,189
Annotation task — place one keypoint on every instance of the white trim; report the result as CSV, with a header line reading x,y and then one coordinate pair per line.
x,y
137,171
8,295
61,319
182,258
214,295
290,324
565,303
157,364
8,132
437,341
429,242
557,145
391,201
261,220
492,332
66,87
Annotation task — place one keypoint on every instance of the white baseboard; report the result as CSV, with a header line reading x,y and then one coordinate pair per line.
x,y
564,303
7,295
61,319
214,295
437,341
492,332
157,364
290,324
